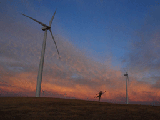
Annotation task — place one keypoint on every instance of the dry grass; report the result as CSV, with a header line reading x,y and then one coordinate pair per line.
x,y
32,108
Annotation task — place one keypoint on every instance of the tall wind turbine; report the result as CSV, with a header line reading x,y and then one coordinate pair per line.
x,y
44,28
127,78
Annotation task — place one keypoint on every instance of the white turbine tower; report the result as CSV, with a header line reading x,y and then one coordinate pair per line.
x,y
127,78
44,28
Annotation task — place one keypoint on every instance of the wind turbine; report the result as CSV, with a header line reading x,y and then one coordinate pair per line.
x,y
127,78
44,28
65,95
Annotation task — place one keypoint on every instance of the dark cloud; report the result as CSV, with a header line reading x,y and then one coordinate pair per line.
x,y
157,84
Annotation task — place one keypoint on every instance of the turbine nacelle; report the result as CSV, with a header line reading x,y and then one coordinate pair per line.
x,y
126,74
46,28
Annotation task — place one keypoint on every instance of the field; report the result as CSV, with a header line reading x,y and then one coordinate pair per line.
x,y
31,108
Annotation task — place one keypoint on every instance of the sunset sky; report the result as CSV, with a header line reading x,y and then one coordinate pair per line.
x,y
98,41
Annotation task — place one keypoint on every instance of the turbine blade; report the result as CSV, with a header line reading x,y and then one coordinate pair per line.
x,y
50,22
36,20
54,42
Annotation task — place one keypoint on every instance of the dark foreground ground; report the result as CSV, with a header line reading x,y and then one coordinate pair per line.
x,y
30,108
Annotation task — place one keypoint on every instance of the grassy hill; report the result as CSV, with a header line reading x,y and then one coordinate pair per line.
x,y
31,108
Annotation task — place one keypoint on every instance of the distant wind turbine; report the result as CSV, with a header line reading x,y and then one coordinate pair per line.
x,y
44,28
65,95
127,78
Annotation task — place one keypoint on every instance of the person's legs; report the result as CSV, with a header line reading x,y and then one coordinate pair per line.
x,y
99,98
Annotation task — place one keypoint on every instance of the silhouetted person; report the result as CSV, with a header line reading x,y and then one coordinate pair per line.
x,y
100,94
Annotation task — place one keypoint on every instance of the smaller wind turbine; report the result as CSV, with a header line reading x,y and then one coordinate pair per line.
x,y
127,78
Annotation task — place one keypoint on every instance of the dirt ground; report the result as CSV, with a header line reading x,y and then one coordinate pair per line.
x,y
32,108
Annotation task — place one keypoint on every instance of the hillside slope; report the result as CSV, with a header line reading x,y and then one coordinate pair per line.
x,y
29,108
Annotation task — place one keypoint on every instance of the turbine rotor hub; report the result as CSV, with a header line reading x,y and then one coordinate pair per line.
x,y
45,28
